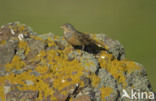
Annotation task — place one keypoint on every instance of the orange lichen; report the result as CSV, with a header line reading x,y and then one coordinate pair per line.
x,y
24,45
117,68
16,63
105,91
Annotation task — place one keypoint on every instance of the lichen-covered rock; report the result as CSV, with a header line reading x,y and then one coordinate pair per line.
x,y
7,51
88,61
82,98
15,30
21,95
46,68
114,46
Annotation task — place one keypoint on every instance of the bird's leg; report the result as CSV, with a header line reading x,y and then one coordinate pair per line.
x,y
83,47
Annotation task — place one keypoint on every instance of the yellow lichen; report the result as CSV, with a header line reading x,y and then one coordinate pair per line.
x,y
20,28
105,91
95,80
24,45
2,95
16,63
36,38
68,49
50,42
54,66
61,71
55,69
2,42
117,68
42,69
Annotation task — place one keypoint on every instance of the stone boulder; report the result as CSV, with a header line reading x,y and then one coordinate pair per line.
x,y
45,67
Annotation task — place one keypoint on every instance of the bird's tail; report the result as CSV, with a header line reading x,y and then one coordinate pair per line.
x,y
99,43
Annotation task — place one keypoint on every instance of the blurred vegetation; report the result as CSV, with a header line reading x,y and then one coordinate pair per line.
x,y
132,22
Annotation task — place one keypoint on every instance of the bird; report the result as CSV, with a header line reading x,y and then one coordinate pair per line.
x,y
79,39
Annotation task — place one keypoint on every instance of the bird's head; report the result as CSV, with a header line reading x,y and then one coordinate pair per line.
x,y
67,27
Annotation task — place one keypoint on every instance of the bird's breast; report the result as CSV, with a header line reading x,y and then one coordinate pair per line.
x,y
72,39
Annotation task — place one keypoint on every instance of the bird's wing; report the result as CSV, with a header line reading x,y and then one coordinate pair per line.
x,y
90,41
85,38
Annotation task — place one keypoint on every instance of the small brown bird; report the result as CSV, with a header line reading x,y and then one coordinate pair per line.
x,y
76,38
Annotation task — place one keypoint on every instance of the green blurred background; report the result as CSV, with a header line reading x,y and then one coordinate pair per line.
x,y
132,22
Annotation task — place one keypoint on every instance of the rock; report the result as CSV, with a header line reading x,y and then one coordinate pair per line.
x,y
114,46
7,51
21,95
36,46
82,98
69,91
106,79
88,60
46,36
46,68
15,31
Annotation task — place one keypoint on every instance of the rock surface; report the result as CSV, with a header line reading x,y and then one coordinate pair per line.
x,y
46,68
